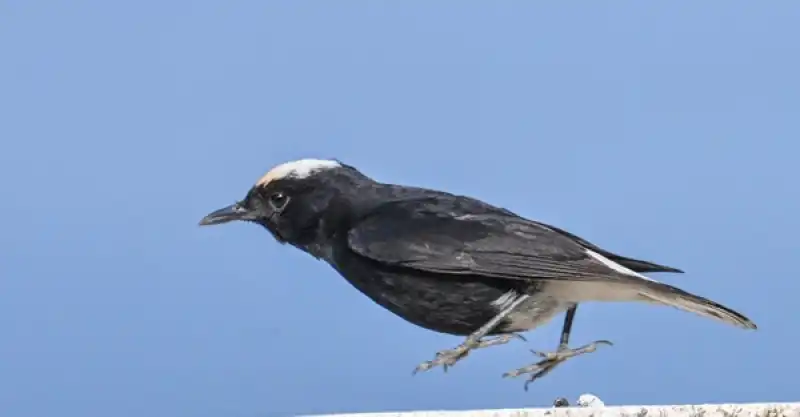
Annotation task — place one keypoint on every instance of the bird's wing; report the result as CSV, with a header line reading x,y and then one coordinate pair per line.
x,y
453,236
637,265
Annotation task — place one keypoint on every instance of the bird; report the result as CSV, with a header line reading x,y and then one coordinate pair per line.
x,y
449,263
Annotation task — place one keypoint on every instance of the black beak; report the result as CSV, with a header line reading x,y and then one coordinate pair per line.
x,y
226,214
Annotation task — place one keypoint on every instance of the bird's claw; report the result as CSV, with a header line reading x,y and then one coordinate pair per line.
x,y
448,358
551,360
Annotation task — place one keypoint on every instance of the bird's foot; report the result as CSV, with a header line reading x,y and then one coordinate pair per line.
x,y
449,357
553,359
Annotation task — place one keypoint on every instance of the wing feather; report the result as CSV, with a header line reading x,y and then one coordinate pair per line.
x,y
447,236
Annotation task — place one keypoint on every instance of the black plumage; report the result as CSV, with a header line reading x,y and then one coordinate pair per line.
x,y
451,264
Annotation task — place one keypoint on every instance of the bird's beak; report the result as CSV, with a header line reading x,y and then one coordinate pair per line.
x,y
226,214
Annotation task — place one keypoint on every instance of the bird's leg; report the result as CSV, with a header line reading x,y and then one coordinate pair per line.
x,y
448,358
553,359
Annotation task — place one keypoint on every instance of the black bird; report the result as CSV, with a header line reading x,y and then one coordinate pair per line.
x,y
451,264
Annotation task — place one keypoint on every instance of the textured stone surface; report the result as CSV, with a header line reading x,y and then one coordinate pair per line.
x,y
704,410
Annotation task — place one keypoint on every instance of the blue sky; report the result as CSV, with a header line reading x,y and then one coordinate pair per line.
x,y
661,130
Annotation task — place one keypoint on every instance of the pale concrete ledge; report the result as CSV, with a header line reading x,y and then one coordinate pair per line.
x,y
704,410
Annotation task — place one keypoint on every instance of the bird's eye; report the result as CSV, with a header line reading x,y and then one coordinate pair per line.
x,y
278,200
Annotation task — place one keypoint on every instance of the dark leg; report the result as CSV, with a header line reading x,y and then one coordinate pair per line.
x,y
553,359
449,357
567,328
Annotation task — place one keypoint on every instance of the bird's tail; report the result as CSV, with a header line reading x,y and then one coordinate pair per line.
x,y
666,294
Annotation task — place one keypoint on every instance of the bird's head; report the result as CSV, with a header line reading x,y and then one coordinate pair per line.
x,y
292,199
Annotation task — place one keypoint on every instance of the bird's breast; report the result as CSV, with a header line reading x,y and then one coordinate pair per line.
x,y
455,305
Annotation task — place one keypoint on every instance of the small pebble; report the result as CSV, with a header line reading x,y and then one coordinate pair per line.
x,y
590,400
561,402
